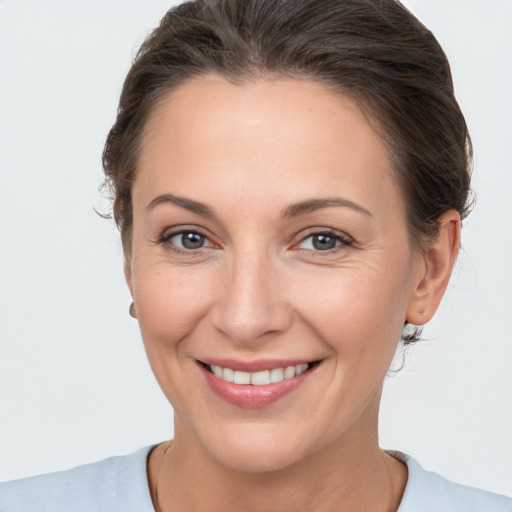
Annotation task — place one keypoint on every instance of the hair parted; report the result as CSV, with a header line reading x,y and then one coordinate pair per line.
x,y
374,51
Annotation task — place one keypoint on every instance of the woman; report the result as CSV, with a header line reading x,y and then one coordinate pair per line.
x,y
289,179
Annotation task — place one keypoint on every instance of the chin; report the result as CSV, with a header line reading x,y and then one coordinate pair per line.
x,y
257,449
256,460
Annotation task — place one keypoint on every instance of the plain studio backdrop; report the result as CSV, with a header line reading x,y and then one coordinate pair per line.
x,y
75,385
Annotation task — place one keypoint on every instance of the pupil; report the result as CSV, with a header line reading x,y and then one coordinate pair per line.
x,y
192,240
323,242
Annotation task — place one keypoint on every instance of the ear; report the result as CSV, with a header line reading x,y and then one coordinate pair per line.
x,y
128,275
434,270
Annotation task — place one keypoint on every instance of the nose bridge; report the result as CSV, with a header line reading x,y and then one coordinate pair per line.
x,y
251,302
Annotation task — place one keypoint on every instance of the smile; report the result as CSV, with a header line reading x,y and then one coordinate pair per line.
x,y
257,384
261,378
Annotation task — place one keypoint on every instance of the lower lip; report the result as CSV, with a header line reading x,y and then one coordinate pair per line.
x,y
250,396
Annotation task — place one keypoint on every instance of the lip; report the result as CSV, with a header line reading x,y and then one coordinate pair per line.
x,y
250,396
254,366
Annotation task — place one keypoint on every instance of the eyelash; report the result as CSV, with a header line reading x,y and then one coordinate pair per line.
x,y
166,238
343,241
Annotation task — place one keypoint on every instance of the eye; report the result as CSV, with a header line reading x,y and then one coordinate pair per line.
x,y
323,241
188,240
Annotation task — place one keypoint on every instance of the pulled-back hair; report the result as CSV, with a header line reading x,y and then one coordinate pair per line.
x,y
374,51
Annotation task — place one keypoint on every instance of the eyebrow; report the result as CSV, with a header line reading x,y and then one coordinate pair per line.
x,y
183,202
292,210
296,209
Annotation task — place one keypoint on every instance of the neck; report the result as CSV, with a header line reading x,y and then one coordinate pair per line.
x,y
352,474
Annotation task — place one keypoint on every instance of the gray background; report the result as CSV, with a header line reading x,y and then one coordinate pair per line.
x,y
74,382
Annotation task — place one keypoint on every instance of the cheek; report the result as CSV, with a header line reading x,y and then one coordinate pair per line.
x,y
170,304
355,311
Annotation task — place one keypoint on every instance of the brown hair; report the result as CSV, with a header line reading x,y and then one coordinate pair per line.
x,y
375,51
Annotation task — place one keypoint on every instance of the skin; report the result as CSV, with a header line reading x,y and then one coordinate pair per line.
x,y
259,289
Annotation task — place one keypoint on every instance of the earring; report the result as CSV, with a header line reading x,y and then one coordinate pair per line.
x,y
131,310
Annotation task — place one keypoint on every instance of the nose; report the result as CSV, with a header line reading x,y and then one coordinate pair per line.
x,y
251,302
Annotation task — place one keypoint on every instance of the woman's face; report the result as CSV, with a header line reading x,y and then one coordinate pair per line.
x,y
269,233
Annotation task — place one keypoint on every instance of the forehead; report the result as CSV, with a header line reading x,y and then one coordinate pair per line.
x,y
285,138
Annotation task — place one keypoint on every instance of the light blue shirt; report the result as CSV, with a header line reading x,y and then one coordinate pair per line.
x,y
120,484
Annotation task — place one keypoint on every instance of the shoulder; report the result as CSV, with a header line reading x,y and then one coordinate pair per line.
x,y
117,483
427,491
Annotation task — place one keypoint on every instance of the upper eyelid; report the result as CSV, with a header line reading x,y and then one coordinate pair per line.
x,y
173,231
325,231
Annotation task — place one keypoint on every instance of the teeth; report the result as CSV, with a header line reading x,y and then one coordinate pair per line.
x,y
289,372
259,378
217,371
242,378
300,368
228,374
276,375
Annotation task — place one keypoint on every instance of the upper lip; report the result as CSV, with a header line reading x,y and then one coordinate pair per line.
x,y
255,366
